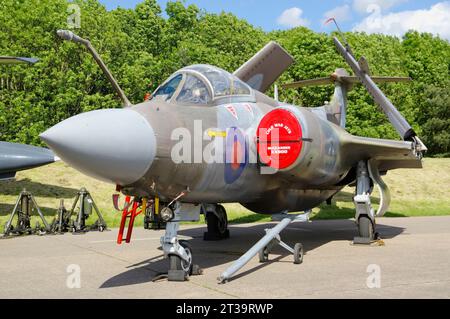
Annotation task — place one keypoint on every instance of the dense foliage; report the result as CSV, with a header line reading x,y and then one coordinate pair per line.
x,y
143,46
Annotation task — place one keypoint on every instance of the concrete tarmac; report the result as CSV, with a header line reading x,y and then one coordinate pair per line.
x,y
414,263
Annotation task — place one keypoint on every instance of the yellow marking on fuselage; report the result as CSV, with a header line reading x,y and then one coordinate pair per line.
x,y
217,133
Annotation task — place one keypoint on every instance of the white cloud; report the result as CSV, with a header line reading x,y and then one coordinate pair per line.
x,y
341,14
369,6
292,18
434,20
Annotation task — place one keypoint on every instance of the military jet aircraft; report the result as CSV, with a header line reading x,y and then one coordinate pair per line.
x,y
17,157
208,136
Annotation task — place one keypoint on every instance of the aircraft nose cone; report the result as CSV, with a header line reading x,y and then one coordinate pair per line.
x,y
114,145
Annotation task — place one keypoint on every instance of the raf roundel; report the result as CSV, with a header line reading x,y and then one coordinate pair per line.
x,y
279,139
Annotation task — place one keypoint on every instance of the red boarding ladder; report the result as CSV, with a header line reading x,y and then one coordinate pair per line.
x,y
129,212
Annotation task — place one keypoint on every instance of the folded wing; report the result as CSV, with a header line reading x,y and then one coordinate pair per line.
x,y
265,67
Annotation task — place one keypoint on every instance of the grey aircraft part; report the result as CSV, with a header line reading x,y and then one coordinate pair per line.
x,y
344,79
17,60
70,36
116,146
265,67
361,70
336,111
385,194
17,157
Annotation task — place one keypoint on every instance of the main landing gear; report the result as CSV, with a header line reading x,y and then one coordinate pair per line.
x,y
367,173
217,221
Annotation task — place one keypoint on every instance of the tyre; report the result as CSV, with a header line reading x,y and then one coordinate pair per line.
x,y
177,263
217,222
365,227
263,255
298,253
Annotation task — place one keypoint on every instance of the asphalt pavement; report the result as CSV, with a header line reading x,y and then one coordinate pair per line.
x,y
413,263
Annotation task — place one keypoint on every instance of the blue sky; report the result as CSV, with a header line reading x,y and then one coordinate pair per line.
x,y
373,16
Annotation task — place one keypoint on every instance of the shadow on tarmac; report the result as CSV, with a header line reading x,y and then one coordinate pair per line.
x,y
210,254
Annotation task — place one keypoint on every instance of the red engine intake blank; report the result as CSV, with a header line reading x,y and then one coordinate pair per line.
x,y
279,139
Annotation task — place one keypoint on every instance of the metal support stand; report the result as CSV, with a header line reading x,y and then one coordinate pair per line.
x,y
24,207
62,222
263,246
85,210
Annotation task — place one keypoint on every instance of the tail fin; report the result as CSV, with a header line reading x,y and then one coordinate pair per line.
x,y
336,110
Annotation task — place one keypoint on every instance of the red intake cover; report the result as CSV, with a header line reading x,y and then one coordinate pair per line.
x,y
279,139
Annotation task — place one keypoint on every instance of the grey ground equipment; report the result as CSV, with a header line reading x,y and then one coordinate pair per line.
x,y
265,244
23,209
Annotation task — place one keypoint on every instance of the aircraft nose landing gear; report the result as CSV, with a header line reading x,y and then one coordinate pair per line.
x,y
181,262
178,251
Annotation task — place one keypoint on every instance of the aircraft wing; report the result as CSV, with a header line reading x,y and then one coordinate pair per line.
x,y
265,67
16,157
388,154
16,60
7,176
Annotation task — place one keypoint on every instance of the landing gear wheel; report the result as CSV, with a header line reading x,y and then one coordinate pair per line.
x,y
177,263
366,228
217,224
222,220
298,253
264,255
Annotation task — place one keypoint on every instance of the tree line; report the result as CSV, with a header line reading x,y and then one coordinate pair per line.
x,y
144,45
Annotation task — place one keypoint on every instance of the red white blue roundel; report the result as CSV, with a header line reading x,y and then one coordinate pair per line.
x,y
236,155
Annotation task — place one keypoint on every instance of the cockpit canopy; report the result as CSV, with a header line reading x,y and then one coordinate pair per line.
x,y
203,85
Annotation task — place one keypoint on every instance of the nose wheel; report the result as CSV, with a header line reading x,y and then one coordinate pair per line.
x,y
179,264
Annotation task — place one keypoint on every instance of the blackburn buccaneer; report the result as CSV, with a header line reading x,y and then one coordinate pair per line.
x,y
208,136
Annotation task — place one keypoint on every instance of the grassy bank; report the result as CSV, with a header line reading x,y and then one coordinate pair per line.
x,y
414,193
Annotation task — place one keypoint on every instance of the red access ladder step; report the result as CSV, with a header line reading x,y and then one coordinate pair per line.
x,y
129,212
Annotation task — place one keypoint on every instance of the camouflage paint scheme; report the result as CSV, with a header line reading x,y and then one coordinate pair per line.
x,y
327,162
